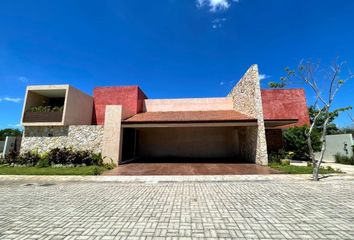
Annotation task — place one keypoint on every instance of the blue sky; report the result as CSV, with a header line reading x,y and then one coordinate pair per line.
x,y
171,48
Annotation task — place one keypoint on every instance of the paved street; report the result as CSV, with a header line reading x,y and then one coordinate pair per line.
x,y
243,209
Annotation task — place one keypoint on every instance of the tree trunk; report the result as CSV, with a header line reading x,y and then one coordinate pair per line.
x,y
318,163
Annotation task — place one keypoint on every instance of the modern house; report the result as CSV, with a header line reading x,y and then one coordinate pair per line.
x,y
123,124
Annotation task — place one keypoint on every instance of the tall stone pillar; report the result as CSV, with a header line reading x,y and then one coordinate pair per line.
x,y
247,99
113,134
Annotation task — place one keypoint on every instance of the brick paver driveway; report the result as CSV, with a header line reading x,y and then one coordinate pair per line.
x,y
178,210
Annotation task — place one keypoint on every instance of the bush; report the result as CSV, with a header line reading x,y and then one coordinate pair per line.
x,y
343,159
29,159
97,159
43,162
276,157
56,157
67,156
295,140
10,158
97,170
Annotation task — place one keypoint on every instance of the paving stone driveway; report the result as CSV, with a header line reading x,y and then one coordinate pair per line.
x,y
260,209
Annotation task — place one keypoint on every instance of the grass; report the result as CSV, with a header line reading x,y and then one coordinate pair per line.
x,y
291,169
88,170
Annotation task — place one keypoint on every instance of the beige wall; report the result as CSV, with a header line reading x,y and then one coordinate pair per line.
x,y
34,100
78,106
188,142
188,104
112,135
78,109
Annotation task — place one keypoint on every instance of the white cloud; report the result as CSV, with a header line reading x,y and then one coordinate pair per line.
x,y
23,79
215,5
8,99
263,76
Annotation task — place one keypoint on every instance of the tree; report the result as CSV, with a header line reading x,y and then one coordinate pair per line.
x,y
295,140
325,89
9,132
331,127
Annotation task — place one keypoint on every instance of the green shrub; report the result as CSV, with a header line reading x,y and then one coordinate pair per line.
x,y
63,157
68,156
295,140
43,162
276,157
30,158
46,109
10,158
343,159
97,159
285,162
97,170
109,166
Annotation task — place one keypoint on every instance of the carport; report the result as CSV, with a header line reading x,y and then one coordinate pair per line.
x,y
188,137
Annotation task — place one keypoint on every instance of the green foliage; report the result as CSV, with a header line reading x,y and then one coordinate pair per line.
x,y
43,162
88,170
56,156
109,166
67,156
97,170
343,159
28,159
97,159
346,130
9,132
276,157
331,127
46,109
291,169
295,140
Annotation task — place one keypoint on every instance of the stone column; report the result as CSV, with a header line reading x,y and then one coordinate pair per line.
x,y
247,99
112,136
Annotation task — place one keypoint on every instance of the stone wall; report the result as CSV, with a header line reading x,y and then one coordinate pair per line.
x,y
79,137
247,99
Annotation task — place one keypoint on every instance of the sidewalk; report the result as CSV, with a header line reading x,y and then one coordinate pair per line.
x,y
156,179
348,169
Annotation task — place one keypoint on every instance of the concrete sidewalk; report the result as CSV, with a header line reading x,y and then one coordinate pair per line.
x,y
169,178
347,169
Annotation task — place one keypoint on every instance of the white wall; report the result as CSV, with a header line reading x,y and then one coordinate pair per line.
x,y
336,144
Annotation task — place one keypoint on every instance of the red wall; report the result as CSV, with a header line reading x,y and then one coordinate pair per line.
x,y
285,104
131,98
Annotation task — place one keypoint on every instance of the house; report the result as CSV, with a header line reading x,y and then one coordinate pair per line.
x,y
123,124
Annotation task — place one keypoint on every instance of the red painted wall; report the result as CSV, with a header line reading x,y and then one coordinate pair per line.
x,y
285,104
131,98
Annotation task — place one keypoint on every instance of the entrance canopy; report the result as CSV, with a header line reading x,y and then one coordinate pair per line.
x,y
189,119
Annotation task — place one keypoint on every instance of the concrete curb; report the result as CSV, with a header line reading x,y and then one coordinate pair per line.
x,y
155,179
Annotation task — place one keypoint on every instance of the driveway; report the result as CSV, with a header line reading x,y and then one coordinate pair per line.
x,y
248,208
143,169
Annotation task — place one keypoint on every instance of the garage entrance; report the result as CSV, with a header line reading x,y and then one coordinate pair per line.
x,y
183,145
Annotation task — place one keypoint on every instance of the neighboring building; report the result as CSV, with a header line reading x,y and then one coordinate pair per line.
x,y
340,143
123,124
11,143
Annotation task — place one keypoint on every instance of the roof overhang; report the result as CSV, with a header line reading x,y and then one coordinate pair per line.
x,y
189,124
279,122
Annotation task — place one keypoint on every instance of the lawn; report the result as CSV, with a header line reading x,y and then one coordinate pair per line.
x,y
291,169
88,170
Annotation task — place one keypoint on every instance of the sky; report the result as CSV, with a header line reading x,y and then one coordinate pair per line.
x,y
170,48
